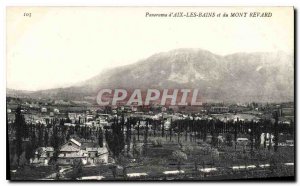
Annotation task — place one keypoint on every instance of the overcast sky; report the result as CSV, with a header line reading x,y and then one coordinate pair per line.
x,y
58,47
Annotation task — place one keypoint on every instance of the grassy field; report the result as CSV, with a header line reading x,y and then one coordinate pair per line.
x,y
158,159
32,173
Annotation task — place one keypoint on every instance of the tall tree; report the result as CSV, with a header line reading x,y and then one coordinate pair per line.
x,y
115,139
170,130
276,136
46,138
265,134
146,137
228,139
214,139
128,134
40,136
100,137
235,131
257,135
55,142
138,130
251,136
162,128
147,131
19,124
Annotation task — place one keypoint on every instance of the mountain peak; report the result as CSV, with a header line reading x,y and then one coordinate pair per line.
x,y
240,77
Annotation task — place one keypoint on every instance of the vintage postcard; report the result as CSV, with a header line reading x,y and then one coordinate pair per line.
x,y
150,93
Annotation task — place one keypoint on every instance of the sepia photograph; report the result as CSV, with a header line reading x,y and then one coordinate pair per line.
x,y
150,93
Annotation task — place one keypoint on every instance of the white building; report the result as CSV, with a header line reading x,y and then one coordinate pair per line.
x,y
44,109
56,111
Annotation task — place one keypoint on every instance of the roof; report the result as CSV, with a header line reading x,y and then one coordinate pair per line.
x,y
92,178
88,145
78,154
47,149
42,151
242,139
100,150
69,149
74,141
91,149
69,124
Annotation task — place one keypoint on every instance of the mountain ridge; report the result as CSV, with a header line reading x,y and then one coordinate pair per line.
x,y
238,77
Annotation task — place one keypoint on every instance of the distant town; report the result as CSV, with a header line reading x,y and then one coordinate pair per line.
x,y
67,140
